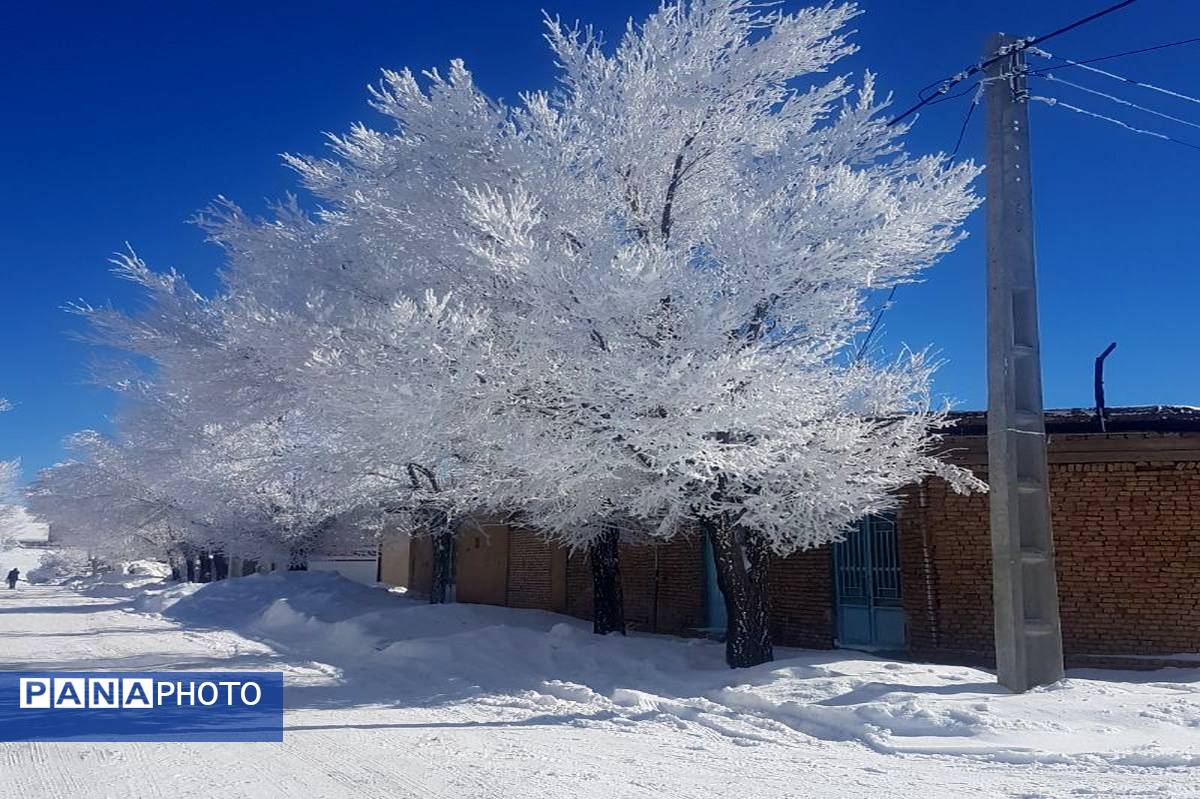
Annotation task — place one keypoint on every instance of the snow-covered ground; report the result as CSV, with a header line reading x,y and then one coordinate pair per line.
x,y
392,698
24,558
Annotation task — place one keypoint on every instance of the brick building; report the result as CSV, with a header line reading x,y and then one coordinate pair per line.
x,y
1126,515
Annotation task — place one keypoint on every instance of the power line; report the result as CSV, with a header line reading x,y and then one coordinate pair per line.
x,y
1053,101
862,349
962,131
1077,23
1022,44
977,87
956,95
1115,99
941,96
1114,76
1113,55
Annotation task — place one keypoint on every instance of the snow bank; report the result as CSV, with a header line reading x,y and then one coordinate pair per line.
x,y
388,649
159,599
127,580
148,568
239,602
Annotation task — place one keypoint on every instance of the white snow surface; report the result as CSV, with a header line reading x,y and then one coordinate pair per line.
x,y
389,697
25,559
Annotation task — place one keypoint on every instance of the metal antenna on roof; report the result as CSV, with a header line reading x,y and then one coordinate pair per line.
x,y
1100,385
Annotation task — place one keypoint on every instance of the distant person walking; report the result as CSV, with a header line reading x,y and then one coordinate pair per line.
x,y
12,578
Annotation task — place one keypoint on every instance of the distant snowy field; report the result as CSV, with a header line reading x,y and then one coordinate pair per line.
x,y
389,697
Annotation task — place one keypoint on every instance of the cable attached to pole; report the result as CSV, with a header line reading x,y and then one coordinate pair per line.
x,y
1054,101
1017,46
1069,63
1150,49
1050,76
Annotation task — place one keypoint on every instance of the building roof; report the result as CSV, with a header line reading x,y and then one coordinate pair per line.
x,y
1129,419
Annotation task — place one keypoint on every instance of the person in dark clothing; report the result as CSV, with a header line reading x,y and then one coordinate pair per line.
x,y
12,578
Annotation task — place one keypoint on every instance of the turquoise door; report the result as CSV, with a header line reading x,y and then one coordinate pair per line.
x,y
714,600
867,591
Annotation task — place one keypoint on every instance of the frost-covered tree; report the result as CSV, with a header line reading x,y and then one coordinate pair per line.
x,y
664,263
625,303
204,428
686,258
371,310
366,357
100,505
10,472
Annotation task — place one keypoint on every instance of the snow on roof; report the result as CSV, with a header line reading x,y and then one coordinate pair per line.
x,y
1128,419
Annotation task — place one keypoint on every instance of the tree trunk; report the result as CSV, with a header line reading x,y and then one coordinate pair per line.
x,y
220,567
205,568
189,566
608,604
297,560
249,567
443,562
741,557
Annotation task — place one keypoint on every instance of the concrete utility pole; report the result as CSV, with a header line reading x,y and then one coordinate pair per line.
x,y
1025,588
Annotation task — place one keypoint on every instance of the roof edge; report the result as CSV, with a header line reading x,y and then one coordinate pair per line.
x,y
1127,419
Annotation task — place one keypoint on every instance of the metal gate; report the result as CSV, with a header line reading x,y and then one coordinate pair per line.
x,y
869,607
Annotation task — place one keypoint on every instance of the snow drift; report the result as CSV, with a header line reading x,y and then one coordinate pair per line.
x,y
384,649
128,579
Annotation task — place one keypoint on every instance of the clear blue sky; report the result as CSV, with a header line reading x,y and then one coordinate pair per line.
x,y
120,119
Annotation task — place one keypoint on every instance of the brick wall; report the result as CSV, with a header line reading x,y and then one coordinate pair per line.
x,y
801,589
639,574
673,602
1127,545
663,586
946,570
681,586
579,586
1128,557
529,557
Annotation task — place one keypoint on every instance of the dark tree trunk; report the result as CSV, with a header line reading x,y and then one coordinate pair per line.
x,y
249,567
220,567
443,561
189,565
297,560
205,568
608,604
742,558
436,522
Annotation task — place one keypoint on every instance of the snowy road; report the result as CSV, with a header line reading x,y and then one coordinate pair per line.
x,y
347,735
